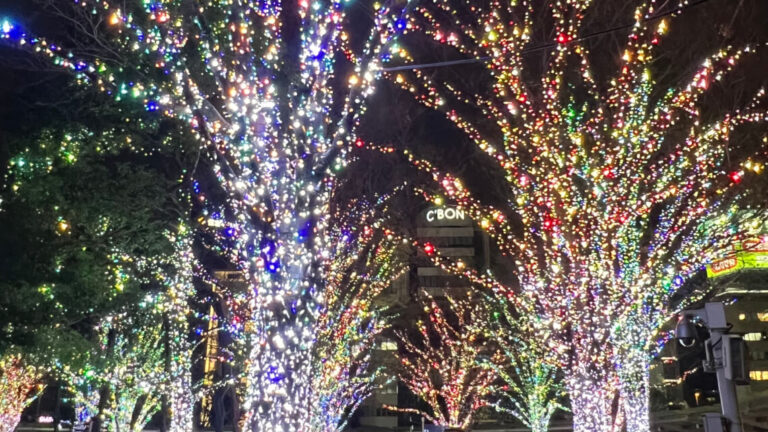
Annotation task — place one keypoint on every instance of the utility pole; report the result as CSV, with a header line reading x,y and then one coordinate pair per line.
x,y
725,357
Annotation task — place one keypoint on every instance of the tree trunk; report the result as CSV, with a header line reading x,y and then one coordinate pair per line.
x,y
99,419
634,378
595,405
136,415
104,394
236,412
539,421
9,419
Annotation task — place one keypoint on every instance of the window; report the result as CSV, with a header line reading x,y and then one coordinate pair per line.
x,y
441,281
388,345
762,316
753,337
758,375
390,388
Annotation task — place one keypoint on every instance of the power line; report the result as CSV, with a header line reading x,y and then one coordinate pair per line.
x,y
546,45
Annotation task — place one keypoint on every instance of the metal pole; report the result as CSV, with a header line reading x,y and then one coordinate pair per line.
x,y
727,389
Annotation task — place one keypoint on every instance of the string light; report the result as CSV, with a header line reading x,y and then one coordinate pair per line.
x,y
142,355
531,390
365,262
441,364
19,385
169,375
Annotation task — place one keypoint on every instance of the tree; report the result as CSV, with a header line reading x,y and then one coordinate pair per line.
x,y
612,192
441,363
128,361
273,91
532,391
365,262
94,224
18,386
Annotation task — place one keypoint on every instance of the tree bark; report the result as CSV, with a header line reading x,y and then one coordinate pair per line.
x,y
98,420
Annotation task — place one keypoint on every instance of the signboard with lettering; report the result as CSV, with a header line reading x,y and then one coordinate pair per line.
x,y
444,216
747,254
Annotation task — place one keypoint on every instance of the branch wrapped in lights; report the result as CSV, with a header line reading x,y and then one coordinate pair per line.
x,y
613,196
128,363
532,390
441,364
366,260
258,84
19,385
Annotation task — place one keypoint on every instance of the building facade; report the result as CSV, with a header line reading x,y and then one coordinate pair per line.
x,y
455,235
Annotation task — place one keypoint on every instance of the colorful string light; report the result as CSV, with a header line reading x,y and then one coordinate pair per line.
x,y
365,262
531,390
142,356
442,364
170,277
19,385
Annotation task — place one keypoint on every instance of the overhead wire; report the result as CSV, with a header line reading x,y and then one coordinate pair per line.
x,y
679,9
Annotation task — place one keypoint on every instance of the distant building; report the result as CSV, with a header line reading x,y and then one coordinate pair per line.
x,y
455,235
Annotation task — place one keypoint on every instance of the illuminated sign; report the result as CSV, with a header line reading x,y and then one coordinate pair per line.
x,y
445,214
748,254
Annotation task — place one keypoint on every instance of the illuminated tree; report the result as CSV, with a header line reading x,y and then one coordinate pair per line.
x,y
531,390
613,193
441,363
19,385
128,362
139,356
365,261
110,221
273,90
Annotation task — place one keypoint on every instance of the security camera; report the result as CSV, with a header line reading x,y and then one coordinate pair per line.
x,y
685,332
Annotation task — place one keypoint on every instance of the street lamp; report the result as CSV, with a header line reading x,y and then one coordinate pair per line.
x,y
725,356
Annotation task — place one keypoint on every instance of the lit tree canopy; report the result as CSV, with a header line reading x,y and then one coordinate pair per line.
x,y
95,213
441,362
365,261
614,192
529,386
103,198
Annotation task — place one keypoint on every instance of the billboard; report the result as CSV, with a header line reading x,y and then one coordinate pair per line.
x,y
747,254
